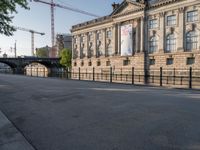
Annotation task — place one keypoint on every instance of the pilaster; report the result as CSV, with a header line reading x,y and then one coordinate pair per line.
x,y
114,39
119,38
161,40
79,46
95,43
141,34
137,37
86,42
181,24
104,41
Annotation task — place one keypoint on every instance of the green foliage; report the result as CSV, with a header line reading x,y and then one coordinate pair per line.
x,y
7,9
42,52
66,56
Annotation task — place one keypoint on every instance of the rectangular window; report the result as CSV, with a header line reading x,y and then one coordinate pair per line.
x,y
90,37
75,64
126,62
89,63
153,24
171,20
75,41
81,40
192,16
170,61
98,36
109,34
82,63
152,62
108,63
190,60
98,63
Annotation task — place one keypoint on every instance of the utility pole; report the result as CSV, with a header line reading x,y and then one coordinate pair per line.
x,y
15,49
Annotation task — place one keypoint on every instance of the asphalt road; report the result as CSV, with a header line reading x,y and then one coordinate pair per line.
x,y
55,114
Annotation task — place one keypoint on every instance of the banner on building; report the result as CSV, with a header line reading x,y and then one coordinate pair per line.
x,y
126,40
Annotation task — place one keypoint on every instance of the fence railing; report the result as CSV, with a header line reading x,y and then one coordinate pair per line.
x,y
180,78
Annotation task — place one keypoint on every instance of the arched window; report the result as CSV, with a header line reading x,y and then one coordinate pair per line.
x,y
191,40
153,44
171,43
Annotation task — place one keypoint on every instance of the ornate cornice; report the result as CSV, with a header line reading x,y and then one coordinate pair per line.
x,y
160,3
109,18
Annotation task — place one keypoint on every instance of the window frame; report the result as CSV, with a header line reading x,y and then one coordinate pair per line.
x,y
192,16
153,24
171,20
153,44
191,40
170,43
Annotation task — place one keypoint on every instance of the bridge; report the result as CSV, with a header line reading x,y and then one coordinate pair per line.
x,y
18,64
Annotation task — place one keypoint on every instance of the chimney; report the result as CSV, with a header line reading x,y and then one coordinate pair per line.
x,y
114,5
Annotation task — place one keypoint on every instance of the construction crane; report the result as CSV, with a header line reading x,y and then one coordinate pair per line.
x,y
32,36
52,4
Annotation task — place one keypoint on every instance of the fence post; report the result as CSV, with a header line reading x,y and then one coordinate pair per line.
x,y
190,78
161,75
93,72
67,73
79,73
174,76
133,75
110,74
31,71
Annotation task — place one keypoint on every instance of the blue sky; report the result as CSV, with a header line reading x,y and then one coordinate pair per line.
x,y
38,19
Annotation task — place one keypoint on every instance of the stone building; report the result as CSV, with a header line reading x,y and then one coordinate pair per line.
x,y
63,41
144,34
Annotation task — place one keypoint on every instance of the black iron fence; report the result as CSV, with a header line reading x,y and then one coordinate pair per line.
x,y
180,78
173,77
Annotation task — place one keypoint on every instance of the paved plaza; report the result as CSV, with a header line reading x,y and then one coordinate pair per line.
x,y
56,114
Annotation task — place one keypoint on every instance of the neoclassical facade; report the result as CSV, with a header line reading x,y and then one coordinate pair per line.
x,y
141,34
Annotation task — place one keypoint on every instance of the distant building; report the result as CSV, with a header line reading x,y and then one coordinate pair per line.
x,y
63,41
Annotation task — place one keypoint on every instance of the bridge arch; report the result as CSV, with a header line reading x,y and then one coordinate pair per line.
x,y
12,65
18,64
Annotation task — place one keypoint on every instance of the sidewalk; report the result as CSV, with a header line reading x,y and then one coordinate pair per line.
x,y
10,137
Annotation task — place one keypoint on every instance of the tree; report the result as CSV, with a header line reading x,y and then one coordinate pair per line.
x,y
42,52
7,9
66,56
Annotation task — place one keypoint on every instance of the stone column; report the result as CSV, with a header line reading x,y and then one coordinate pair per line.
x,y
95,44
86,43
119,38
104,41
142,34
114,39
181,23
79,46
161,40
137,37
73,47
